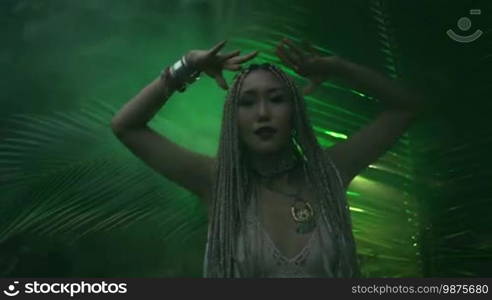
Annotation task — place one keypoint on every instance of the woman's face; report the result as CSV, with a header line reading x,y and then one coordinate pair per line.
x,y
264,113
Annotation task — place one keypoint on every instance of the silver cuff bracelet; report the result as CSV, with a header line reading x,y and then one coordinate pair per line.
x,y
183,74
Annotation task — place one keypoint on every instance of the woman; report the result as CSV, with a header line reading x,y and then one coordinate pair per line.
x,y
276,199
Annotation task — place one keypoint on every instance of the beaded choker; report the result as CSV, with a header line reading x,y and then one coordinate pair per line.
x,y
287,163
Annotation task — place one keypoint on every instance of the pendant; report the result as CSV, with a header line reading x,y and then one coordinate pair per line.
x,y
303,215
304,228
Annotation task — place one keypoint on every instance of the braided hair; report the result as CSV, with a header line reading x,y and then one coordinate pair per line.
x,y
232,188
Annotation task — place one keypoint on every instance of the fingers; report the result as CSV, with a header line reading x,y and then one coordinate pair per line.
x,y
221,81
244,58
297,51
232,67
234,64
286,57
232,54
217,47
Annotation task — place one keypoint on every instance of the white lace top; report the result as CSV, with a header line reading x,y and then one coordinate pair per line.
x,y
268,261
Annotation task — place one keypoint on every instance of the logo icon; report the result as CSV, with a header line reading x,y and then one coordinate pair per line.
x,y
464,24
11,290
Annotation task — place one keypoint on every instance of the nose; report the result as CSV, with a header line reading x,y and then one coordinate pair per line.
x,y
263,110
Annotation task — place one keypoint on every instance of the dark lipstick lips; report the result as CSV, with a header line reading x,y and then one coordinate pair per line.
x,y
266,130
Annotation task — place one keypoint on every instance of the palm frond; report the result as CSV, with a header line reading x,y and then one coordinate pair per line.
x,y
75,178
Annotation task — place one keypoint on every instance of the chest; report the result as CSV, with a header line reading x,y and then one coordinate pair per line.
x,y
275,216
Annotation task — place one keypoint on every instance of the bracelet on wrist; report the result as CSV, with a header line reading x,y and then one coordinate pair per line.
x,y
167,78
181,73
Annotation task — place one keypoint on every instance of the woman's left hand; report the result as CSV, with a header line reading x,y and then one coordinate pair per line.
x,y
306,62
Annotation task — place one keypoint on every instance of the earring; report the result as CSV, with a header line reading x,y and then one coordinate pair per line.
x,y
297,147
293,133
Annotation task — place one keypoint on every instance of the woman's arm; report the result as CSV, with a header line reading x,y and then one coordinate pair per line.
x,y
402,105
191,170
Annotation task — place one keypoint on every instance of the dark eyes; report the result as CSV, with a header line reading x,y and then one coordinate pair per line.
x,y
250,102
277,99
246,103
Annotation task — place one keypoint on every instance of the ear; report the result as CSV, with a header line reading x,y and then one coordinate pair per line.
x,y
293,132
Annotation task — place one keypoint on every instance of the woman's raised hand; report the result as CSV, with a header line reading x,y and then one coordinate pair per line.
x,y
307,62
211,62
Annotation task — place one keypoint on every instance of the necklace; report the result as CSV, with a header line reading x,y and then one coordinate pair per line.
x,y
301,211
289,160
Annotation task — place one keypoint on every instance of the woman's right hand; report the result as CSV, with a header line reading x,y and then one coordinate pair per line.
x,y
211,62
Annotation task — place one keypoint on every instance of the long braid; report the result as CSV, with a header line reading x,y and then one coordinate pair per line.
x,y
229,196
320,168
232,185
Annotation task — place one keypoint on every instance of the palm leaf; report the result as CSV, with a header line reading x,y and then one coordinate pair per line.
x,y
75,178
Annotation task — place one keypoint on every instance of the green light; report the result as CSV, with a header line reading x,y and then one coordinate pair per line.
x,y
359,93
251,43
327,103
356,209
325,143
336,134
353,194
330,133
